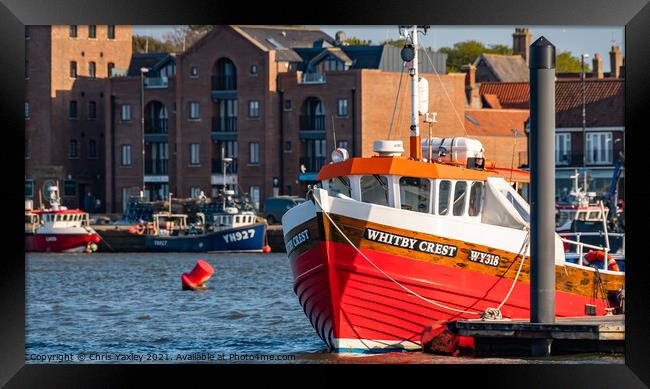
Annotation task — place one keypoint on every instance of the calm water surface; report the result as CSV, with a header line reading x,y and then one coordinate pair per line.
x,y
127,304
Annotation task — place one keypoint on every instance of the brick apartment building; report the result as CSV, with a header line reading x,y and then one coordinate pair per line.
x,y
65,72
271,99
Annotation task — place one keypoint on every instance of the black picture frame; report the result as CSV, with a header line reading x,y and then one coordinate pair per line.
x,y
633,14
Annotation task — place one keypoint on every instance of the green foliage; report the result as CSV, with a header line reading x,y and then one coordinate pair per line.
x,y
354,41
466,52
148,44
395,42
566,63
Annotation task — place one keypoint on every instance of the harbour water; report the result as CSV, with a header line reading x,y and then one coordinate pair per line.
x,y
129,308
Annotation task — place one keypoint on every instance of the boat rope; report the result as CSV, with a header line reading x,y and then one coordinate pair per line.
x,y
399,88
462,123
489,314
104,240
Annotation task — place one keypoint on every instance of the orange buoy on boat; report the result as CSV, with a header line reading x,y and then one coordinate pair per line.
x,y
266,249
599,256
198,276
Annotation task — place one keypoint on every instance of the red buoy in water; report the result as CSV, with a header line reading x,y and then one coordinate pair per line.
x,y
198,276
266,249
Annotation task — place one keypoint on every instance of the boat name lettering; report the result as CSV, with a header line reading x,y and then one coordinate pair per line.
x,y
484,258
297,240
410,243
239,235
50,239
160,243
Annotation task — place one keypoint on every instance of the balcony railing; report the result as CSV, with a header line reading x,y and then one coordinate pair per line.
x,y
313,164
217,166
156,126
224,124
155,167
312,122
221,82
313,78
156,82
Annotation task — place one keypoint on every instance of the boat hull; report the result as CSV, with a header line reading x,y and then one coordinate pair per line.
x,y
381,297
59,242
248,238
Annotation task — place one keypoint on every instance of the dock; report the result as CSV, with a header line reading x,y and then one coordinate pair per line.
x,y
568,335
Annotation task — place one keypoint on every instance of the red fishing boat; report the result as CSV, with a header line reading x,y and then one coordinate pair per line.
x,y
59,229
388,245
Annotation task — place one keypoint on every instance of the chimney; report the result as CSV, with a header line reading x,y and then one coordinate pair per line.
x,y
598,66
616,61
521,40
471,89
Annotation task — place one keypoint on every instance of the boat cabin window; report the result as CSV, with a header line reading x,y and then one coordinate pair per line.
x,y
595,215
374,189
475,198
444,191
460,192
582,216
340,185
518,207
414,193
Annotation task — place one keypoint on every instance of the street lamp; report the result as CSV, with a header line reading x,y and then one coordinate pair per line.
x,y
143,70
584,119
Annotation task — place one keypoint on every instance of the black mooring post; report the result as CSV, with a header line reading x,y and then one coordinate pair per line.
x,y
542,166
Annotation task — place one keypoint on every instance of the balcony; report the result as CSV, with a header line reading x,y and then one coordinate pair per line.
x,y
155,167
312,126
224,87
224,124
313,78
156,82
156,126
217,166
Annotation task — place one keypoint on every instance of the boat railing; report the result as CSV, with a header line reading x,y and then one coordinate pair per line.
x,y
580,246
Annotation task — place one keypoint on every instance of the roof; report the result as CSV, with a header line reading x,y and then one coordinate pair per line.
x,y
605,100
495,122
147,60
286,37
505,68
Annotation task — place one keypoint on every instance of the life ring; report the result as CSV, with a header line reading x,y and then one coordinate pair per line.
x,y
140,228
599,256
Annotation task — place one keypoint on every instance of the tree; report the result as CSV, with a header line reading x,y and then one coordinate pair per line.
x,y
466,52
566,63
354,41
149,44
395,42
185,36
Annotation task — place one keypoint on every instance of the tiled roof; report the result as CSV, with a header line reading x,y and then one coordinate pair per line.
x,y
605,100
495,122
286,37
506,68
147,60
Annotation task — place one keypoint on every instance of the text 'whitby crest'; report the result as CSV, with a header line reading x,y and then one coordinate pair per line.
x,y
411,243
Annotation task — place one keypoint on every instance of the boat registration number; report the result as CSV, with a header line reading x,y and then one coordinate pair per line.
x,y
239,235
484,258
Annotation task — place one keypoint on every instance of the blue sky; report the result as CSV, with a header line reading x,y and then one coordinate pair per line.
x,y
577,40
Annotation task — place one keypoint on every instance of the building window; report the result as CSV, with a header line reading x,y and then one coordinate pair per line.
x,y
562,149
92,31
255,196
72,111
254,152
27,110
126,112
92,69
194,154
287,145
73,31
194,110
253,69
195,192
92,149
599,148
109,69
72,149
110,33
126,155
29,188
69,188
194,71
253,109
73,69
342,107
92,110
287,105
342,144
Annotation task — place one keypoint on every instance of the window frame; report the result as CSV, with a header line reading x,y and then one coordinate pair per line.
x,y
93,28
253,151
110,31
92,113
195,157
92,150
74,70
72,155
92,70
125,156
65,188
193,104
128,109
254,109
75,104
607,153
563,141
73,32
339,105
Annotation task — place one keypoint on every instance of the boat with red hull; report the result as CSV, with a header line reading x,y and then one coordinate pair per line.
x,y
387,245
59,229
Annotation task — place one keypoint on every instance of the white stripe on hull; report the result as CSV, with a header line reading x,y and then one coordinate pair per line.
x,y
370,345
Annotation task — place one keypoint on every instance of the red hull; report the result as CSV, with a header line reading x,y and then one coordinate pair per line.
x,y
58,242
353,306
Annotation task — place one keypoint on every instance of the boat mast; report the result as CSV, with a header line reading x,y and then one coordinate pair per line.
x,y
415,144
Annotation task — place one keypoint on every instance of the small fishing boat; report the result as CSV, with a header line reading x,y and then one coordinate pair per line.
x,y
386,245
232,229
59,229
